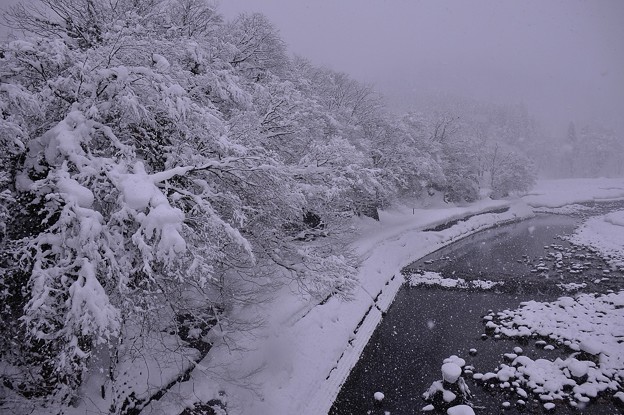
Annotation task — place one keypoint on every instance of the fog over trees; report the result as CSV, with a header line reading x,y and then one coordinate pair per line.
x,y
163,167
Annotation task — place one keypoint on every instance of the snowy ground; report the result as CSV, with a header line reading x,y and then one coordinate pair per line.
x,y
559,193
604,234
308,350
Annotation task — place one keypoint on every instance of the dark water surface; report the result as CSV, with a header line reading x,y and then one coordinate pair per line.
x,y
428,324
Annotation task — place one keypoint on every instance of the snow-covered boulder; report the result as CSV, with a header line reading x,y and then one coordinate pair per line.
x,y
460,410
451,372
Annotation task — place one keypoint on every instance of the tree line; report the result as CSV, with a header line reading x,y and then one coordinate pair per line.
x,y
161,162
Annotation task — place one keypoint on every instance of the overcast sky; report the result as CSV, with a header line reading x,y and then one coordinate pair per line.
x,y
563,58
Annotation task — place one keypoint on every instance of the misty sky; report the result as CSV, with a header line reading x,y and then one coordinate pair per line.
x,y
563,58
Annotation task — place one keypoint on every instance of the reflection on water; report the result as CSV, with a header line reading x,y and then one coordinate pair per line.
x,y
494,253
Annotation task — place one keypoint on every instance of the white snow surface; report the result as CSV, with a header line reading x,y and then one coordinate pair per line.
x,y
559,193
460,410
451,372
604,234
320,343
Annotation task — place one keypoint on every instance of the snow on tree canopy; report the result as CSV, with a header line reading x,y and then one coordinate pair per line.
x,y
72,191
158,218
90,305
144,195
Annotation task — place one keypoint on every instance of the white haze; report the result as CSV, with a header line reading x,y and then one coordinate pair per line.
x,y
562,59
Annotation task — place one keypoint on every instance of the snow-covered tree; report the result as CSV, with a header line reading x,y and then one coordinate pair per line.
x,y
137,186
466,139
510,172
160,163
407,160
256,46
460,163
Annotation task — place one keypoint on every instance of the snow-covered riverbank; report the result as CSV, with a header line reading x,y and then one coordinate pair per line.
x,y
308,350
604,234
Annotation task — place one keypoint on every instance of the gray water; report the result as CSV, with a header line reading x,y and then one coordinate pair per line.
x,y
428,324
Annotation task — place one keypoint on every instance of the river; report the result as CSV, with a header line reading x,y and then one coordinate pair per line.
x,y
427,324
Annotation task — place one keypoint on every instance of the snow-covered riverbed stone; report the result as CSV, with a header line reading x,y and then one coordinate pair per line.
x,y
460,410
455,359
451,372
587,326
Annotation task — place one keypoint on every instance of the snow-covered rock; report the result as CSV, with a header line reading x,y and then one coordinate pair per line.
x,y
591,346
589,323
460,410
451,372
